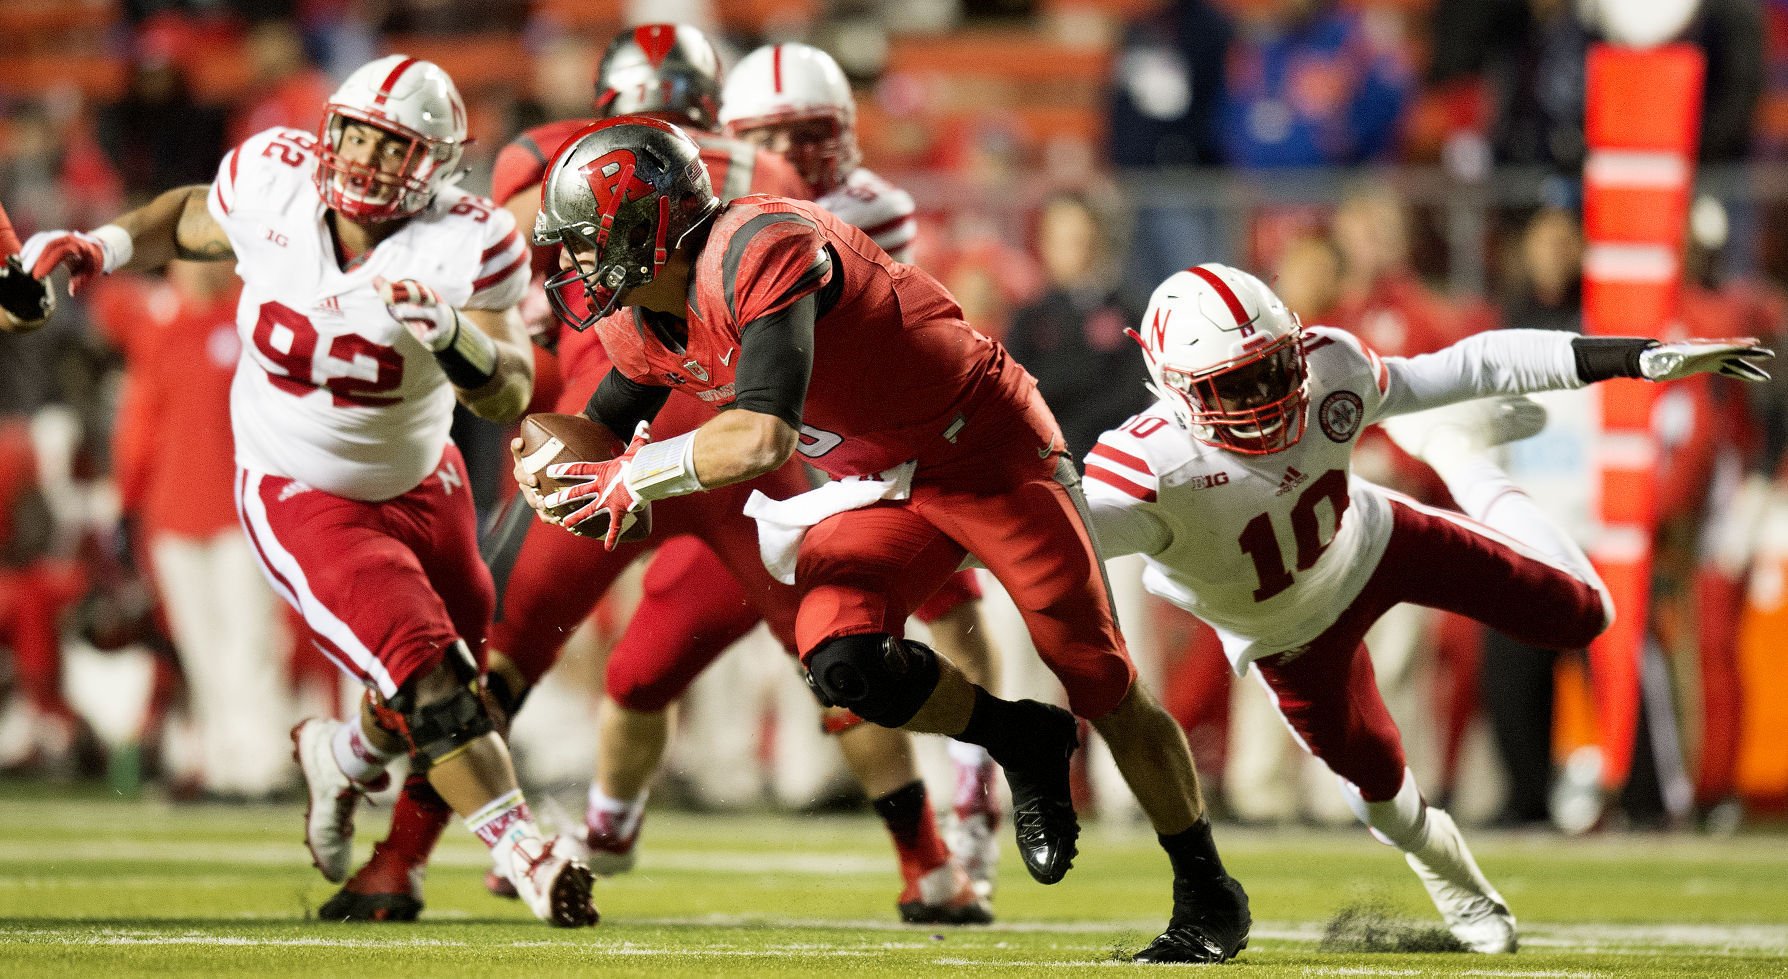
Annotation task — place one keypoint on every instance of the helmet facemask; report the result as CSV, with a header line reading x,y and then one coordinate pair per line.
x,y
1253,404
821,145
604,263
372,191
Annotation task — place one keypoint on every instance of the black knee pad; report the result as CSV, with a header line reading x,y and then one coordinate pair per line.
x,y
438,730
882,679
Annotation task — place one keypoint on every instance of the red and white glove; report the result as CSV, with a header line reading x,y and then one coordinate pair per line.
x,y
603,489
421,310
86,254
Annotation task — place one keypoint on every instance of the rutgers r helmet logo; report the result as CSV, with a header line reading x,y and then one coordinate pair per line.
x,y
612,180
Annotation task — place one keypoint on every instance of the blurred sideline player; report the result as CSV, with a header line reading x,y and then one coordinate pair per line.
x,y
375,292
1238,486
813,339
793,99
695,603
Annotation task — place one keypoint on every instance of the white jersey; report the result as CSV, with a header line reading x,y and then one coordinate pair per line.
x,y
877,208
333,392
1271,549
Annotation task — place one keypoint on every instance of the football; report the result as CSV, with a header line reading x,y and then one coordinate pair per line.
x,y
550,438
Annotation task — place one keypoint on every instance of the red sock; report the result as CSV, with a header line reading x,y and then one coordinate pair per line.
x,y
417,819
907,813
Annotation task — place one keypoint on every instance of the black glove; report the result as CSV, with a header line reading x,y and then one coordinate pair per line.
x,y
25,298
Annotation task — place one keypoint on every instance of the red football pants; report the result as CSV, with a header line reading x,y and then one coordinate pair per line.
x,y
1016,505
384,588
1328,693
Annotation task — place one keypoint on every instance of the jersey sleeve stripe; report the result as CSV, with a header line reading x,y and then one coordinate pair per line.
x,y
217,191
503,273
500,248
1106,477
1379,373
1106,451
225,185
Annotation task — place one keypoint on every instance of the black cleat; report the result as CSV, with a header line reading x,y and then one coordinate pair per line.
x,y
386,889
1042,804
1210,924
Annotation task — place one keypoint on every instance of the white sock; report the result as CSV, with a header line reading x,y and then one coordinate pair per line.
x,y
1400,821
625,814
501,823
359,757
1486,494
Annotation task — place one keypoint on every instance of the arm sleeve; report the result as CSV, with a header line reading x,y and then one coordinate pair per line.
x,y
1499,362
776,362
519,165
621,403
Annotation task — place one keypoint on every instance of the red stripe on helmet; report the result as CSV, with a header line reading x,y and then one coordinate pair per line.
x,y
776,68
656,40
391,80
1227,294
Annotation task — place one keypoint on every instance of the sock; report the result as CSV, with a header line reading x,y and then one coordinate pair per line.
x,y
1194,854
501,823
1007,729
907,814
1400,821
359,758
417,819
974,778
623,814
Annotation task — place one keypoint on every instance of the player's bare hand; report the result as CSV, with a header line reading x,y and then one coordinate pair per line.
x,y
1740,357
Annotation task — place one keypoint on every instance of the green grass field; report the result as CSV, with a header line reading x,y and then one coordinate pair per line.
x,y
92,886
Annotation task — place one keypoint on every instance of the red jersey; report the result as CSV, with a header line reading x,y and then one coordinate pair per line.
x,y
735,168
172,444
897,374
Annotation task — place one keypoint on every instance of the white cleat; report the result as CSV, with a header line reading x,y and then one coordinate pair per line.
x,y
974,842
331,798
1474,912
1481,424
553,884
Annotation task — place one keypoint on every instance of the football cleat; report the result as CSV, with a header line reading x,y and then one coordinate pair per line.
x,y
386,889
1042,802
607,851
331,797
554,885
946,896
1210,924
1479,424
1474,912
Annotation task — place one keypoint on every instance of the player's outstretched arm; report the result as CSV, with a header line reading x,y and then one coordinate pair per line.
x,y
174,225
1525,361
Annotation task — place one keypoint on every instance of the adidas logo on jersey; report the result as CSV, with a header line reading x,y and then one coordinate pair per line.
x,y
1290,481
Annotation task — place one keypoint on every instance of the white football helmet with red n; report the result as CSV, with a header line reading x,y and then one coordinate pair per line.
x,y
799,89
407,97
1228,357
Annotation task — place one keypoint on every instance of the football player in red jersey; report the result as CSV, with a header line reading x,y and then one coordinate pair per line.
x,y
706,586
813,340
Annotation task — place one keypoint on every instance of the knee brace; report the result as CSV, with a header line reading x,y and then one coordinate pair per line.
x,y
438,730
883,679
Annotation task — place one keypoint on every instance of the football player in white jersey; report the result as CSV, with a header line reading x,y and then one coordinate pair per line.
x,y
793,99
375,293
1237,486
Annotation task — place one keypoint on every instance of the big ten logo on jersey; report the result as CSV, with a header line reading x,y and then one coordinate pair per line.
x,y
356,372
1208,480
291,148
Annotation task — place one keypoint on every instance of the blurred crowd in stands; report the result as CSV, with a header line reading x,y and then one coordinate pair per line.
x,y
1368,156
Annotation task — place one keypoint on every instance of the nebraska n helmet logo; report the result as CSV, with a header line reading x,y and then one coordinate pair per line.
x,y
612,179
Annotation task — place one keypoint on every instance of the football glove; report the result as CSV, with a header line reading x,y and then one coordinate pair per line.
x,y
1739,357
86,254
602,489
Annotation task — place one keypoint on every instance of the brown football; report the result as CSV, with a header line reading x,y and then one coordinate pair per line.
x,y
549,438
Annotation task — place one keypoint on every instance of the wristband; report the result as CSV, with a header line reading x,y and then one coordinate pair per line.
x,y
116,245
469,359
1605,358
666,468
